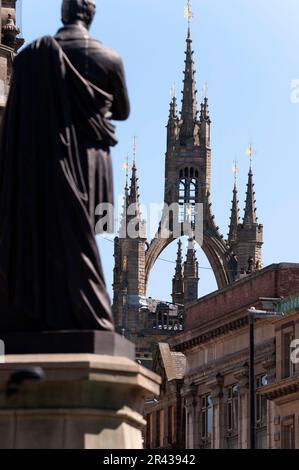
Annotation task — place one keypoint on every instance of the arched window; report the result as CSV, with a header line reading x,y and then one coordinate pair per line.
x,y
188,194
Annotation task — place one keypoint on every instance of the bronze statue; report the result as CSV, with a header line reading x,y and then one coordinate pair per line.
x,y
55,168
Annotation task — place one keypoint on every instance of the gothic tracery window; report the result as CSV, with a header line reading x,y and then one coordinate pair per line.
x,y
188,193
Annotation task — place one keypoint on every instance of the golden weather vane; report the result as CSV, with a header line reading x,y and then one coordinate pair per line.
x,y
188,12
250,152
125,166
235,170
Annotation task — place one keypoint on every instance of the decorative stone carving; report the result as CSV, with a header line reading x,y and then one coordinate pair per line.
x,y
10,32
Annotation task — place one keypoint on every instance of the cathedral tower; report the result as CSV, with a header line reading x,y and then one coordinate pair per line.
x,y
187,186
129,254
188,178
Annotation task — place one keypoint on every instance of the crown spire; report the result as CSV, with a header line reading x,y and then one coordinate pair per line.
x,y
189,104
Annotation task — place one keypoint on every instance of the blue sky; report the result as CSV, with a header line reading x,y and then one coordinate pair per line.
x,y
248,53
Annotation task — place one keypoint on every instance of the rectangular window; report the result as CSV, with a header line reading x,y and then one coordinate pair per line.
x,y
206,417
232,409
261,402
288,434
288,366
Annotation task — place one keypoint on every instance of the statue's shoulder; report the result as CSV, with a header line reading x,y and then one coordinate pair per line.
x,y
37,47
69,37
110,54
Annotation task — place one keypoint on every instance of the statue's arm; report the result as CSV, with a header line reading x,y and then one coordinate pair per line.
x,y
121,105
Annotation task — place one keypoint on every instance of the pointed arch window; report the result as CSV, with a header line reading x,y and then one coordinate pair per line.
x,y
188,195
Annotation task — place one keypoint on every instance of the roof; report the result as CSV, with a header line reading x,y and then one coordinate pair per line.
x,y
174,362
276,280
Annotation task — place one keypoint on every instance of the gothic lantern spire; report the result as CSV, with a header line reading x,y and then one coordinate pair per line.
x,y
189,103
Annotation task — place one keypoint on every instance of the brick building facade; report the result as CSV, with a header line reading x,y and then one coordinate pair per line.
x,y
212,407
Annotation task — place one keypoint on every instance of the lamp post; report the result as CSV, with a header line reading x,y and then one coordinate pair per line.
x,y
252,315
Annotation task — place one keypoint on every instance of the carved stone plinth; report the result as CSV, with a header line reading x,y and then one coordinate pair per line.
x,y
84,401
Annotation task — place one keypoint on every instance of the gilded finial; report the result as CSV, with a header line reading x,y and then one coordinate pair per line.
x,y
250,152
189,13
235,171
125,167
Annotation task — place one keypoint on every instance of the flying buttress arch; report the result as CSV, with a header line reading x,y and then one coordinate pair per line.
x,y
215,249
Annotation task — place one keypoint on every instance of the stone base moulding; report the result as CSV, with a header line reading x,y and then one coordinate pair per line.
x,y
85,401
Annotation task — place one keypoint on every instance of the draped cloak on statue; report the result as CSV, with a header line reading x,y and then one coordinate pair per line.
x,y
54,169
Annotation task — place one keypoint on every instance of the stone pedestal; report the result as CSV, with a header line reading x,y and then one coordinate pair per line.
x,y
85,401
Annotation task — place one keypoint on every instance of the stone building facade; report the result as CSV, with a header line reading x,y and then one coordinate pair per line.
x,y
212,398
10,43
186,189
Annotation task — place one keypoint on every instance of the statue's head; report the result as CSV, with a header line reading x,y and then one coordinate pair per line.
x,y
74,11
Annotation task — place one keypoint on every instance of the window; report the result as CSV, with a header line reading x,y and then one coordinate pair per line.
x,y
188,195
261,402
288,366
261,414
232,409
206,417
288,433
